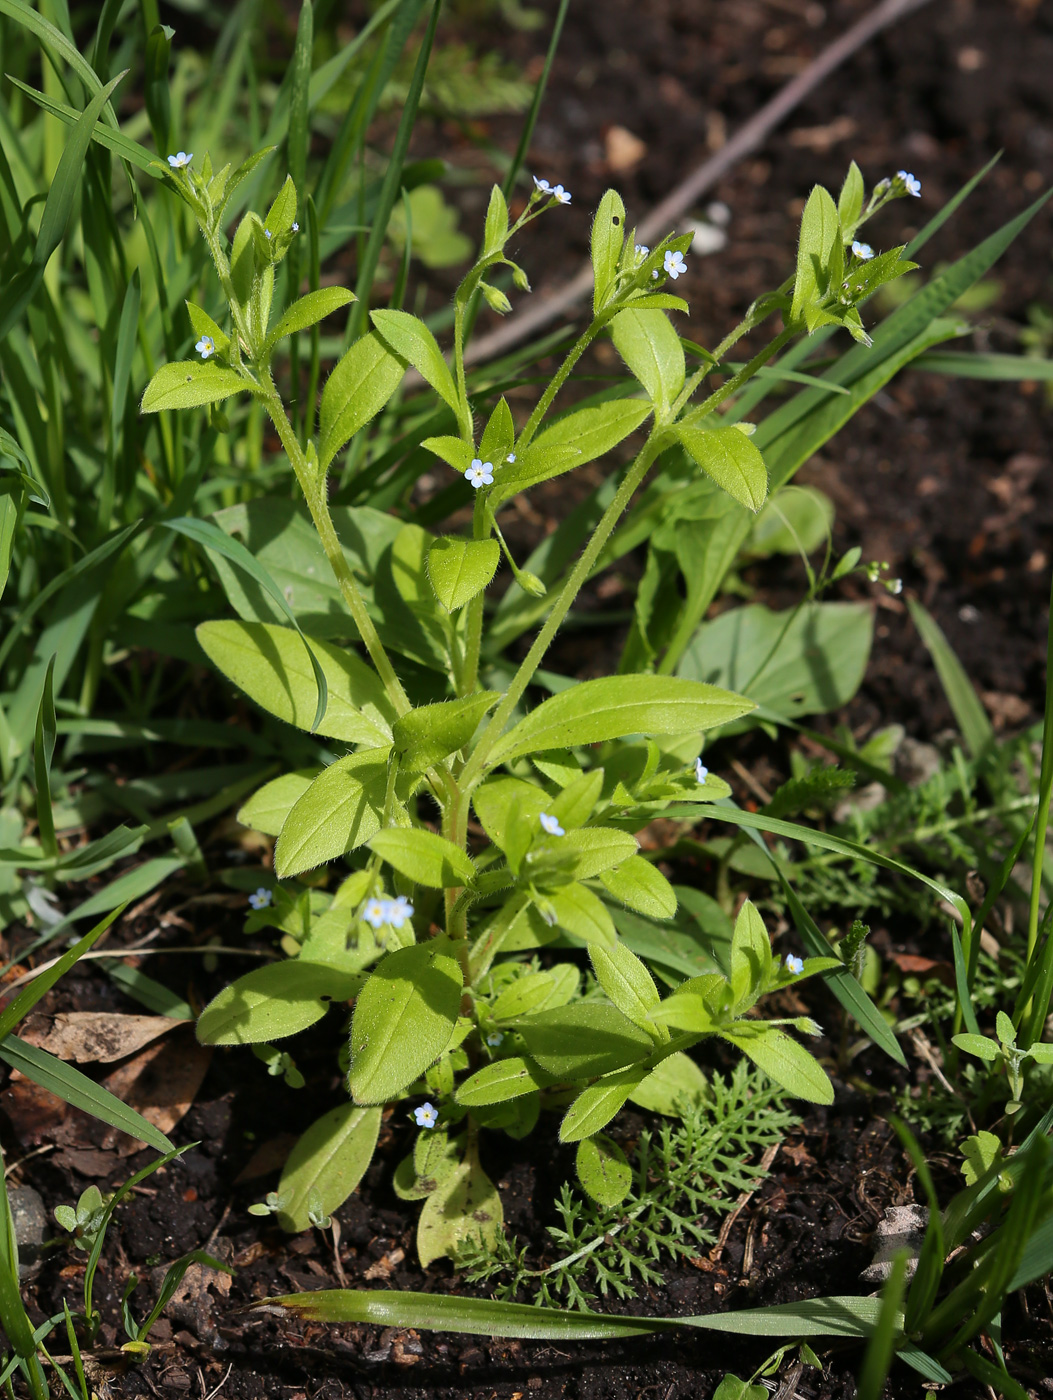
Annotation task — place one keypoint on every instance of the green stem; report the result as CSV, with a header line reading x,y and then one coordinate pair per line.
x,y
556,383
465,412
474,639
735,383
636,473
1035,1016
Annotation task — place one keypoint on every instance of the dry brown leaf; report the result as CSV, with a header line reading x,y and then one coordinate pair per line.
x,y
270,1156
160,1082
102,1036
623,149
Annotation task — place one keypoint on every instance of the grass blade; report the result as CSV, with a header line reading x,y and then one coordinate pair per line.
x,y
880,1348
926,1281
971,366
43,753
30,995
969,714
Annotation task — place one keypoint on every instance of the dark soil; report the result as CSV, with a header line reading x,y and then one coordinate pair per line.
x,y
948,481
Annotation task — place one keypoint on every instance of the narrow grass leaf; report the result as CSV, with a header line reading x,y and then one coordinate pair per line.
x,y
969,714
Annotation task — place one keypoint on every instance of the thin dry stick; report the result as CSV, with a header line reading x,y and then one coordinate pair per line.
x,y
745,140
742,1202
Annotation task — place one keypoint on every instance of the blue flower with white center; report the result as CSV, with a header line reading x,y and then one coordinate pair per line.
x,y
376,912
398,911
427,1115
266,233
206,346
296,228
180,159
641,250
862,251
511,457
542,186
551,825
794,966
480,473
911,185
494,1039
561,195
261,898
701,771
673,263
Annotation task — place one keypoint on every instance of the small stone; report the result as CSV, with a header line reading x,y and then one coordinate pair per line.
x,y
31,1227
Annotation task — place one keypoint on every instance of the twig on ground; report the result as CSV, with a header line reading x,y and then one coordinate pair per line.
x,y
742,1202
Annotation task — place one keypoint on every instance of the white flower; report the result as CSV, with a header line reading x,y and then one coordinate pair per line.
x,y
641,250
376,912
480,473
913,186
511,457
262,898
397,911
551,825
560,194
793,965
180,159
895,585
701,771
862,251
494,1039
206,346
673,263
427,1115
654,275
296,228
542,186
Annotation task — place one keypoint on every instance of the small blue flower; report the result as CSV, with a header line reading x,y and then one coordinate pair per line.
x,y
296,228
180,159
701,771
266,233
542,186
673,263
795,966
494,1039
912,185
262,898
551,825
560,194
398,911
376,912
480,473
862,251
641,250
511,457
427,1115
206,346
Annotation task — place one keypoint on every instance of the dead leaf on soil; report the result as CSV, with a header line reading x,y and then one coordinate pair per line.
x,y
270,1156
193,1301
101,1036
160,1082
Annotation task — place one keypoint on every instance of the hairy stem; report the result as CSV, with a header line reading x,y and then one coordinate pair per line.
x,y
558,380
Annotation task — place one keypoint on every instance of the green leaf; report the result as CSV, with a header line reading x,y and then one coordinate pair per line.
x,y
502,804
465,1206
358,388
615,706
531,992
595,1106
435,1155
424,857
410,338
202,324
77,1089
459,569
573,440
191,383
629,985
272,666
731,1388
608,236
267,809
808,662
850,200
785,1061
642,886
454,451
340,811
750,956
272,1002
28,997
500,1082
404,1019
282,214
430,732
309,310
597,848
582,914
819,241
604,1173
729,458
496,229
978,1045
675,1084
327,1163
583,1040
651,348
969,713
499,434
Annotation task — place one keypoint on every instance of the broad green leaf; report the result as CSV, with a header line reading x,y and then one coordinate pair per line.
x,y
732,1388
629,985
341,810
430,732
282,214
969,713
573,440
583,914
459,569
642,886
424,857
604,1173
850,200
846,1316
267,809
690,1011
608,236
583,1040
327,1164
465,1206
410,338
979,1045
750,956
573,806
404,1019
806,663
615,706
785,1061
819,241
674,1084
202,324
729,458
435,1155
499,435
496,228
309,310
358,388
273,667
272,1002
794,518
500,1082
595,1106
689,946
191,383
597,848
454,451
651,348
499,800
528,993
